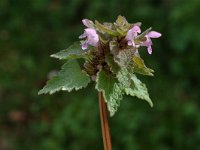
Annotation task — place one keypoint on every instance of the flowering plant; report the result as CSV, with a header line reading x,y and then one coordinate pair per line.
x,y
111,58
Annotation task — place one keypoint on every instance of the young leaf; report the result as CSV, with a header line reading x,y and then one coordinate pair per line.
x,y
138,89
104,38
73,52
114,67
112,91
114,48
121,21
140,67
124,57
70,77
105,29
88,23
122,26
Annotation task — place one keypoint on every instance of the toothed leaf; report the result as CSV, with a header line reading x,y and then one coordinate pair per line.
x,y
138,89
73,52
114,49
70,77
124,57
114,67
140,67
112,91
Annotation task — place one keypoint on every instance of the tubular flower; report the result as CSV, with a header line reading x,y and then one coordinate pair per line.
x,y
131,34
148,42
90,34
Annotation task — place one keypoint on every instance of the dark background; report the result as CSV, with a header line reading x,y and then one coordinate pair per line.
x,y
31,30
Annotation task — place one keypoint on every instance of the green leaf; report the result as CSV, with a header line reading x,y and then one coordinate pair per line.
x,y
104,38
114,48
70,77
121,21
131,85
124,57
106,29
73,52
140,67
112,91
122,26
124,78
114,67
138,89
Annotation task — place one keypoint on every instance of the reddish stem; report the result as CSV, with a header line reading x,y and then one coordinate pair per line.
x,y
104,123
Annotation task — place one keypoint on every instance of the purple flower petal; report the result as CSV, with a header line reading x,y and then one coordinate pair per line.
x,y
90,32
133,43
92,38
149,49
154,34
130,43
85,45
147,43
136,29
131,34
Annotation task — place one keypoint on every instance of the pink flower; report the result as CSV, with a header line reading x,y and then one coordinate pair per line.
x,y
131,34
90,34
148,42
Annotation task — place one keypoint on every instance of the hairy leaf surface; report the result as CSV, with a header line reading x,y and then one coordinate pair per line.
x,y
70,77
138,89
73,52
112,91
140,67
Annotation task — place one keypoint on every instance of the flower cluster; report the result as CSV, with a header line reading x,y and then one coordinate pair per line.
x,y
131,36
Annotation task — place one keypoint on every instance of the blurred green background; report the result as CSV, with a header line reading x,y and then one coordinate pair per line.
x,y
31,30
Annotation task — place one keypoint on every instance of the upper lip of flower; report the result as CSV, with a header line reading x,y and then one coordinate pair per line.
x,y
131,34
154,34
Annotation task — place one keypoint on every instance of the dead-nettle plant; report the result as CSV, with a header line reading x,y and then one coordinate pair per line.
x,y
111,59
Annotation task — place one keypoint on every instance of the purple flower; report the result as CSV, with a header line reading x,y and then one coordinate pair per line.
x,y
148,42
131,34
90,34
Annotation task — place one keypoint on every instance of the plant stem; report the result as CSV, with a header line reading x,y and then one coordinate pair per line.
x,y
104,123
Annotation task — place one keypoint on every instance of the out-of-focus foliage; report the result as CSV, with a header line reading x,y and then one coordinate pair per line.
x,y
32,30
